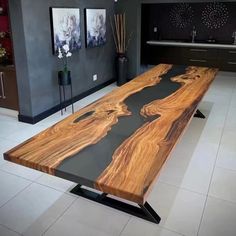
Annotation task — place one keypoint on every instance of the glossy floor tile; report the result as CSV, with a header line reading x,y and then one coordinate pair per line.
x,y
92,216
194,195
10,185
7,232
70,229
8,125
139,227
180,210
24,134
56,183
227,151
35,203
21,171
50,216
191,166
219,218
223,184
231,121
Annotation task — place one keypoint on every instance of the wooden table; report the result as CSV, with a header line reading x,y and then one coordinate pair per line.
x,y
118,144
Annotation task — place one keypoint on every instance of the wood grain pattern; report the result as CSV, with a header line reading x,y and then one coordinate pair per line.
x,y
45,151
137,162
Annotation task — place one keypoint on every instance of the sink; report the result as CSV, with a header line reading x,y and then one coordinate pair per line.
x,y
210,41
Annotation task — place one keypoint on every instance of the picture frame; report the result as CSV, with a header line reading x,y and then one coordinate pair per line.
x,y
95,27
65,28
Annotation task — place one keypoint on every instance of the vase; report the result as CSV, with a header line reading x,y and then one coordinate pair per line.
x,y
64,78
121,69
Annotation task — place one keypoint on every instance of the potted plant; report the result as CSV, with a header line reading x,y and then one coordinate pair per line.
x,y
121,43
64,76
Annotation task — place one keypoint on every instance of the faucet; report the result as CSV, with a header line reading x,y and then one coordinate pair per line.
x,y
193,34
234,37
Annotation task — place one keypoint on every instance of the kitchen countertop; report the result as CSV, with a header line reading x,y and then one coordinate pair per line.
x,y
189,44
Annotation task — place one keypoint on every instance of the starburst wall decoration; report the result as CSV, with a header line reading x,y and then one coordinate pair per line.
x,y
215,15
181,15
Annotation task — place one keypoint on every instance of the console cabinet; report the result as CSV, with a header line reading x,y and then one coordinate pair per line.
x,y
8,88
224,59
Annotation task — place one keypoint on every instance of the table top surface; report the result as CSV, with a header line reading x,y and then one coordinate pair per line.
x,y
119,143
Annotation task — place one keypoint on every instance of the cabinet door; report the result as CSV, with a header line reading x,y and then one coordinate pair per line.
x,y
8,93
163,54
228,60
206,57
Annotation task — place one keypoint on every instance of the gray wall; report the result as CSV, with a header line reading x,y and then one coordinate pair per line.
x,y
18,36
133,13
37,67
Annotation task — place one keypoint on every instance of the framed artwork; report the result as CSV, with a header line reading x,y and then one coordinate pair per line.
x,y
65,24
95,27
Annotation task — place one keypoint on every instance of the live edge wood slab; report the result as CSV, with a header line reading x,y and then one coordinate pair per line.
x,y
119,143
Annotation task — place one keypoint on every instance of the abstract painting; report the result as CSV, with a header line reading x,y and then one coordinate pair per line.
x,y
95,25
65,24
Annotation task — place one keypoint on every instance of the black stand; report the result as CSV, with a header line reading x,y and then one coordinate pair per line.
x,y
64,79
143,211
198,114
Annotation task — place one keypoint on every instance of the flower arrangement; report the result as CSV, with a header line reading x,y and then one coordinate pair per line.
x,y
5,47
2,34
2,51
64,53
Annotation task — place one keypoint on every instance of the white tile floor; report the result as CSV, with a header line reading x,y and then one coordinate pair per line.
x,y
195,193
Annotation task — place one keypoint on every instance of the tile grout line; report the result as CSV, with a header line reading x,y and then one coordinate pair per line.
x,y
9,201
31,183
57,218
35,182
212,174
67,192
171,230
223,200
122,230
16,194
11,229
224,168
10,173
185,189
158,226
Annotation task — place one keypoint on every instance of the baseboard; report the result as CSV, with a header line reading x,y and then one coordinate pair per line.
x,y
49,112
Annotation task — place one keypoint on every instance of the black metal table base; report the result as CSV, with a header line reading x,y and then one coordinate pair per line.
x,y
198,114
143,211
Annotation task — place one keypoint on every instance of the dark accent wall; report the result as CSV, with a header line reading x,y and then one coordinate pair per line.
x,y
37,67
159,15
133,13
